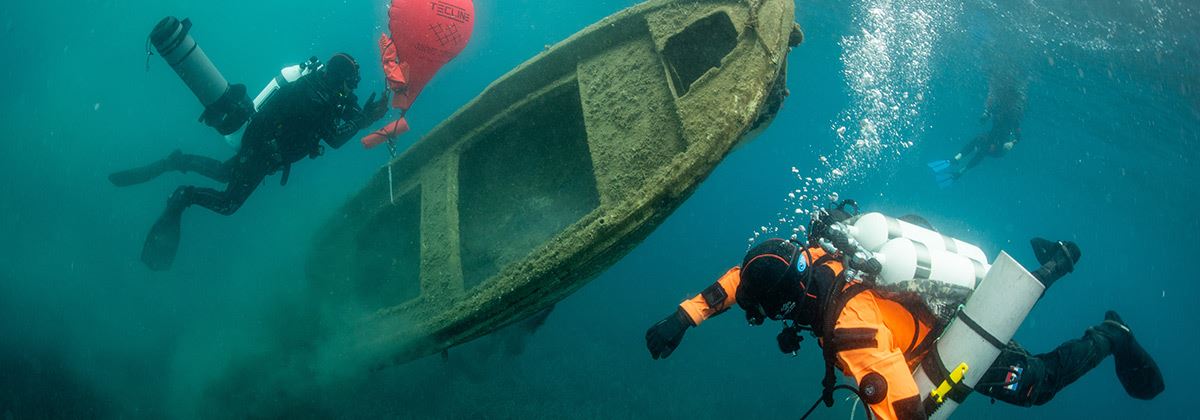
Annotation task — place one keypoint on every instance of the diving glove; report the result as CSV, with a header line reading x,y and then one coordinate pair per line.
x,y
789,340
1057,259
664,336
374,110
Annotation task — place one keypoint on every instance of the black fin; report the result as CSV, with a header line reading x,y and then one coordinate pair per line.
x,y
1043,249
162,242
1137,371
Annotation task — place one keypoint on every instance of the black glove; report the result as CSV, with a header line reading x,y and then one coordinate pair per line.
x,y
374,110
789,339
1057,259
664,336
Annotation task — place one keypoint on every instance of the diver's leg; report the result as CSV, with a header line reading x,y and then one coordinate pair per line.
x,y
1022,379
142,174
973,162
163,240
969,148
203,165
1019,378
176,161
962,169
243,180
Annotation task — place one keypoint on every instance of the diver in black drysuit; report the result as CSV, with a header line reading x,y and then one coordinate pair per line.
x,y
288,128
1006,108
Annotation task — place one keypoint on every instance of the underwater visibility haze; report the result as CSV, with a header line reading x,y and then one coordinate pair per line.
x,y
1108,125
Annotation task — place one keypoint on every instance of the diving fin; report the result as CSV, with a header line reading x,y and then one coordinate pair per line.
x,y
1066,252
1137,371
144,173
162,242
945,179
942,173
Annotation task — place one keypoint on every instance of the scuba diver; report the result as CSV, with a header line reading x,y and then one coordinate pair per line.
x,y
289,126
1005,108
885,340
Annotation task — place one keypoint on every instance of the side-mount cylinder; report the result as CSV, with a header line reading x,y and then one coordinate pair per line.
x,y
226,106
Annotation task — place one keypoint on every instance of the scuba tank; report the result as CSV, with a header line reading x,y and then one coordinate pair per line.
x,y
226,106
903,268
895,251
873,230
286,76
902,259
979,332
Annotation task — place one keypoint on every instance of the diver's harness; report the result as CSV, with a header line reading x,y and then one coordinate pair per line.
x,y
826,231
307,68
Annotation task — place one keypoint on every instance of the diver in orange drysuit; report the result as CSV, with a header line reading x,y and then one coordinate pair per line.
x,y
879,342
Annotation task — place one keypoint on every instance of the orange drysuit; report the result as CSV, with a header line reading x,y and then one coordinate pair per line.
x,y
877,336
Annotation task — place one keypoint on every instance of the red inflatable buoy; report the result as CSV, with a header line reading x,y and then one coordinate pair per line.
x,y
425,35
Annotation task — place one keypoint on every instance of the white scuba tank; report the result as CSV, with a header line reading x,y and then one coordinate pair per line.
x,y
873,230
980,331
902,260
286,76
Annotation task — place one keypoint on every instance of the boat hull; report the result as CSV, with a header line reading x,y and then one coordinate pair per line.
x,y
553,173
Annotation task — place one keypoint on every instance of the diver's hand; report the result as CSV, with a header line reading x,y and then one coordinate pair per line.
x,y
374,110
1009,146
664,336
789,340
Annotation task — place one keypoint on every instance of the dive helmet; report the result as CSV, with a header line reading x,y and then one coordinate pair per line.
x,y
342,69
771,285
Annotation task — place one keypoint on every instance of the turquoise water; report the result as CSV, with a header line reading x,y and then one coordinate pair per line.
x,y
86,331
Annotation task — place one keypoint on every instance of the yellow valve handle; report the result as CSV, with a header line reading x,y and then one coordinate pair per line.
x,y
956,377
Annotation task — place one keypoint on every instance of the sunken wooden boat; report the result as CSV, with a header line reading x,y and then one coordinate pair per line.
x,y
558,169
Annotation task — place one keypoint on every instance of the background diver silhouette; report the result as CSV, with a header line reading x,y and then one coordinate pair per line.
x,y
320,106
1007,97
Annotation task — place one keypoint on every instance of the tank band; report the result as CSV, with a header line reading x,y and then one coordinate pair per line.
x,y
185,55
966,319
924,265
894,229
980,271
951,244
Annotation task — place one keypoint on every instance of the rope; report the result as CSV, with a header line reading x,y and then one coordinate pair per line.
x,y
391,144
148,53
856,392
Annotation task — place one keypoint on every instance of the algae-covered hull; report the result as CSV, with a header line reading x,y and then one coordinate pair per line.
x,y
555,171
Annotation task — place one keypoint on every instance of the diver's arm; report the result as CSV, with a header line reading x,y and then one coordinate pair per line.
x,y
664,336
355,118
347,124
715,299
866,351
342,133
